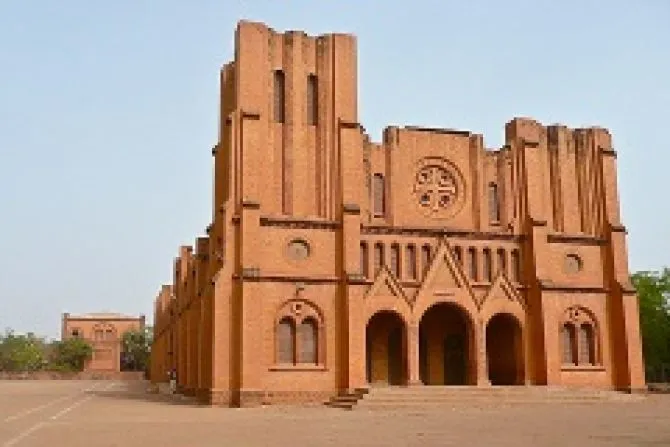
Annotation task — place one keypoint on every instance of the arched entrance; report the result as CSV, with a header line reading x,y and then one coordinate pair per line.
x,y
385,350
504,350
446,346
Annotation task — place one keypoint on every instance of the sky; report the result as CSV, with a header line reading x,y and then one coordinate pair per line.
x,y
108,113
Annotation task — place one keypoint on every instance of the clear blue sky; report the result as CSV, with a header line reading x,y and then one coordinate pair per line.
x,y
108,112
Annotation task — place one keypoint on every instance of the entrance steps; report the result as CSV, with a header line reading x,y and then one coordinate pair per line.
x,y
437,396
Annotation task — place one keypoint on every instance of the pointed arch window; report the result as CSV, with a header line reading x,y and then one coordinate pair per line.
x,y
516,266
308,336
494,203
425,258
379,256
502,261
395,260
364,259
488,269
581,329
586,345
458,254
569,344
286,341
472,263
299,335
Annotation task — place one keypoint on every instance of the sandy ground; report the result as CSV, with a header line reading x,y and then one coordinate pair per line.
x,y
95,414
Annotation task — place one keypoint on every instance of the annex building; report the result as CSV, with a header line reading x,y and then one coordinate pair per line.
x,y
333,262
104,332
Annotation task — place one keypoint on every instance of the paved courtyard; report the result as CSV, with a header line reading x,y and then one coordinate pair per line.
x,y
77,413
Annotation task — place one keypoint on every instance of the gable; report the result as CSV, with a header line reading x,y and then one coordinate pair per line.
x,y
445,273
386,284
503,289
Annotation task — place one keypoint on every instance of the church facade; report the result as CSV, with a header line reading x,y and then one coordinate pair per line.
x,y
333,262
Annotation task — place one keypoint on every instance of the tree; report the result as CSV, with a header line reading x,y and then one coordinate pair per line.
x,y
23,352
136,349
653,289
70,354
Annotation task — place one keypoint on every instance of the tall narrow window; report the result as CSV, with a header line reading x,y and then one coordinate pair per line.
x,y
425,258
364,259
568,341
586,345
308,337
516,266
379,195
410,261
472,263
286,341
279,96
379,256
502,261
395,259
488,270
312,100
494,203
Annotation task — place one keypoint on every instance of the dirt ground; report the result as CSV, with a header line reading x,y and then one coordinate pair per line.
x,y
80,413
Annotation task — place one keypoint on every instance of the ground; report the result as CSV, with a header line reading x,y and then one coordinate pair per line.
x,y
80,413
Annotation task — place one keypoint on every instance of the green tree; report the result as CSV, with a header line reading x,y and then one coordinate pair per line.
x,y
653,289
70,354
136,349
21,352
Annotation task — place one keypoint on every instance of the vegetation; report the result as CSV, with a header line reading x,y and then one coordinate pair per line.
x,y
136,345
27,352
653,289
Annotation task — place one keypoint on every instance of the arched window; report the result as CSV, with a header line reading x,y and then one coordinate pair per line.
x,y
494,204
279,96
472,263
395,259
379,256
586,345
299,335
584,335
378,195
307,341
502,261
516,266
286,341
364,259
488,269
568,342
410,261
312,100
425,258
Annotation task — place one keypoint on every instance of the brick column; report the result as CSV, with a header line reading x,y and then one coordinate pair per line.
x,y
413,354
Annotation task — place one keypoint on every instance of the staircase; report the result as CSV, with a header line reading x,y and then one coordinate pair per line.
x,y
421,397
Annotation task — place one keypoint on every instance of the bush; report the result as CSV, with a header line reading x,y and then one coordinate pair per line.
x,y
70,354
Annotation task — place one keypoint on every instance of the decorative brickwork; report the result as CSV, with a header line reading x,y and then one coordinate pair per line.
x,y
333,261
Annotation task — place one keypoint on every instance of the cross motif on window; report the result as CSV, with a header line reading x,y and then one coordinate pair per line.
x,y
435,187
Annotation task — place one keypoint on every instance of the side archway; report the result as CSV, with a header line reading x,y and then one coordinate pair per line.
x,y
504,350
386,349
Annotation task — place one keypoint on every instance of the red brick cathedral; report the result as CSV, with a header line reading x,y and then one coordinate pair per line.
x,y
333,262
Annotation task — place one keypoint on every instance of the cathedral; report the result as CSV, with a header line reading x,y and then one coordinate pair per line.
x,y
334,262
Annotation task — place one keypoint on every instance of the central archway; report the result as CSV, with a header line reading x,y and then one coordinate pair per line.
x,y
385,349
446,344
504,350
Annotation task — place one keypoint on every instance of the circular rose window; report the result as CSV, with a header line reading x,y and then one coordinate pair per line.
x,y
437,188
298,250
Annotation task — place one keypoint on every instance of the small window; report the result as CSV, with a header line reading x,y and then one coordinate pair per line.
x,y
379,256
308,341
395,259
568,339
472,263
75,333
494,203
586,345
279,96
425,258
488,270
516,266
379,195
502,261
410,261
312,100
286,341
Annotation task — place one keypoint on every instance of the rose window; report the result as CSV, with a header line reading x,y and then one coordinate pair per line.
x,y
435,188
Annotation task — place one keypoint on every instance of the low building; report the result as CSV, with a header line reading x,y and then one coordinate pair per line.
x,y
104,332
